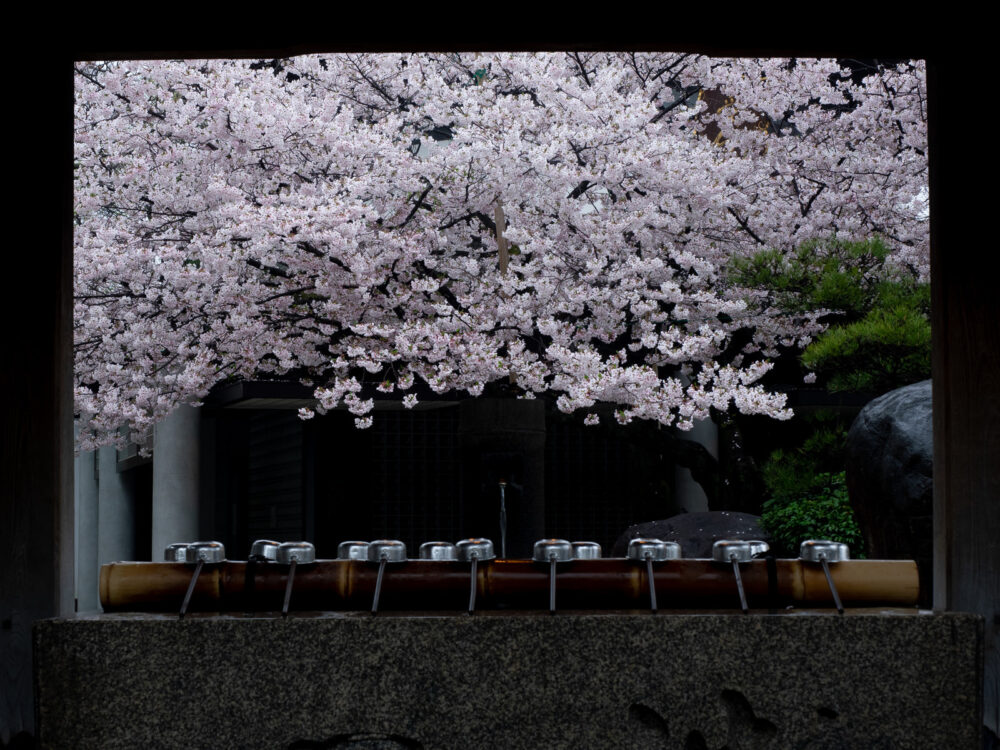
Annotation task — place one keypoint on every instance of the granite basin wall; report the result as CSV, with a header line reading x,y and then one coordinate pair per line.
x,y
869,679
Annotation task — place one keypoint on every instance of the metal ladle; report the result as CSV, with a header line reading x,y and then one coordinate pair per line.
x,y
586,551
262,551
291,554
199,553
176,552
438,551
352,551
552,551
650,551
384,551
472,551
825,552
734,552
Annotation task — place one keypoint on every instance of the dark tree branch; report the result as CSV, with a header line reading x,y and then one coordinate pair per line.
x,y
746,227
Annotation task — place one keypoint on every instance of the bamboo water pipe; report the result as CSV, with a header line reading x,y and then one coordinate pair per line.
x,y
415,585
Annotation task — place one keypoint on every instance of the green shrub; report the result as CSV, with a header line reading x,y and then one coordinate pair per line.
x,y
821,511
790,474
879,334
846,277
878,338
886,349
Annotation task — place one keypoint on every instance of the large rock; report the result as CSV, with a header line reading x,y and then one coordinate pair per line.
x,y
695,532
890,450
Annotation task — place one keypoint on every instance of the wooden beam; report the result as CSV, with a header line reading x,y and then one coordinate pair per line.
x,y
36,501
966,374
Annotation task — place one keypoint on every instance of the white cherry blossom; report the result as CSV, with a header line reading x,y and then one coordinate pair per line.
x,y
235,220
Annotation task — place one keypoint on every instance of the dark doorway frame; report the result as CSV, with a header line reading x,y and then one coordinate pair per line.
x,y
36,505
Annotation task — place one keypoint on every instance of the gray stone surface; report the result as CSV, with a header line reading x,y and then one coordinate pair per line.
x,y
889,456
695,532
869,679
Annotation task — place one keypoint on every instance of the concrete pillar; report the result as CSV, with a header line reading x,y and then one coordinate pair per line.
x,y
115,535
688,493
86,491
175,479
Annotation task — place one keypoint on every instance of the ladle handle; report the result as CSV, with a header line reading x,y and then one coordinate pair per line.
x,y
190,588
472,585
652,583
833,588
552,584
378,584
288,588
739,584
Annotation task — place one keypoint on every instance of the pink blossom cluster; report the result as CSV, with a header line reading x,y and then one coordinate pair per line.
x,y
240,220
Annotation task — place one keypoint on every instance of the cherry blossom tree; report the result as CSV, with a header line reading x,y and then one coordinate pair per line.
x,y
557,224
